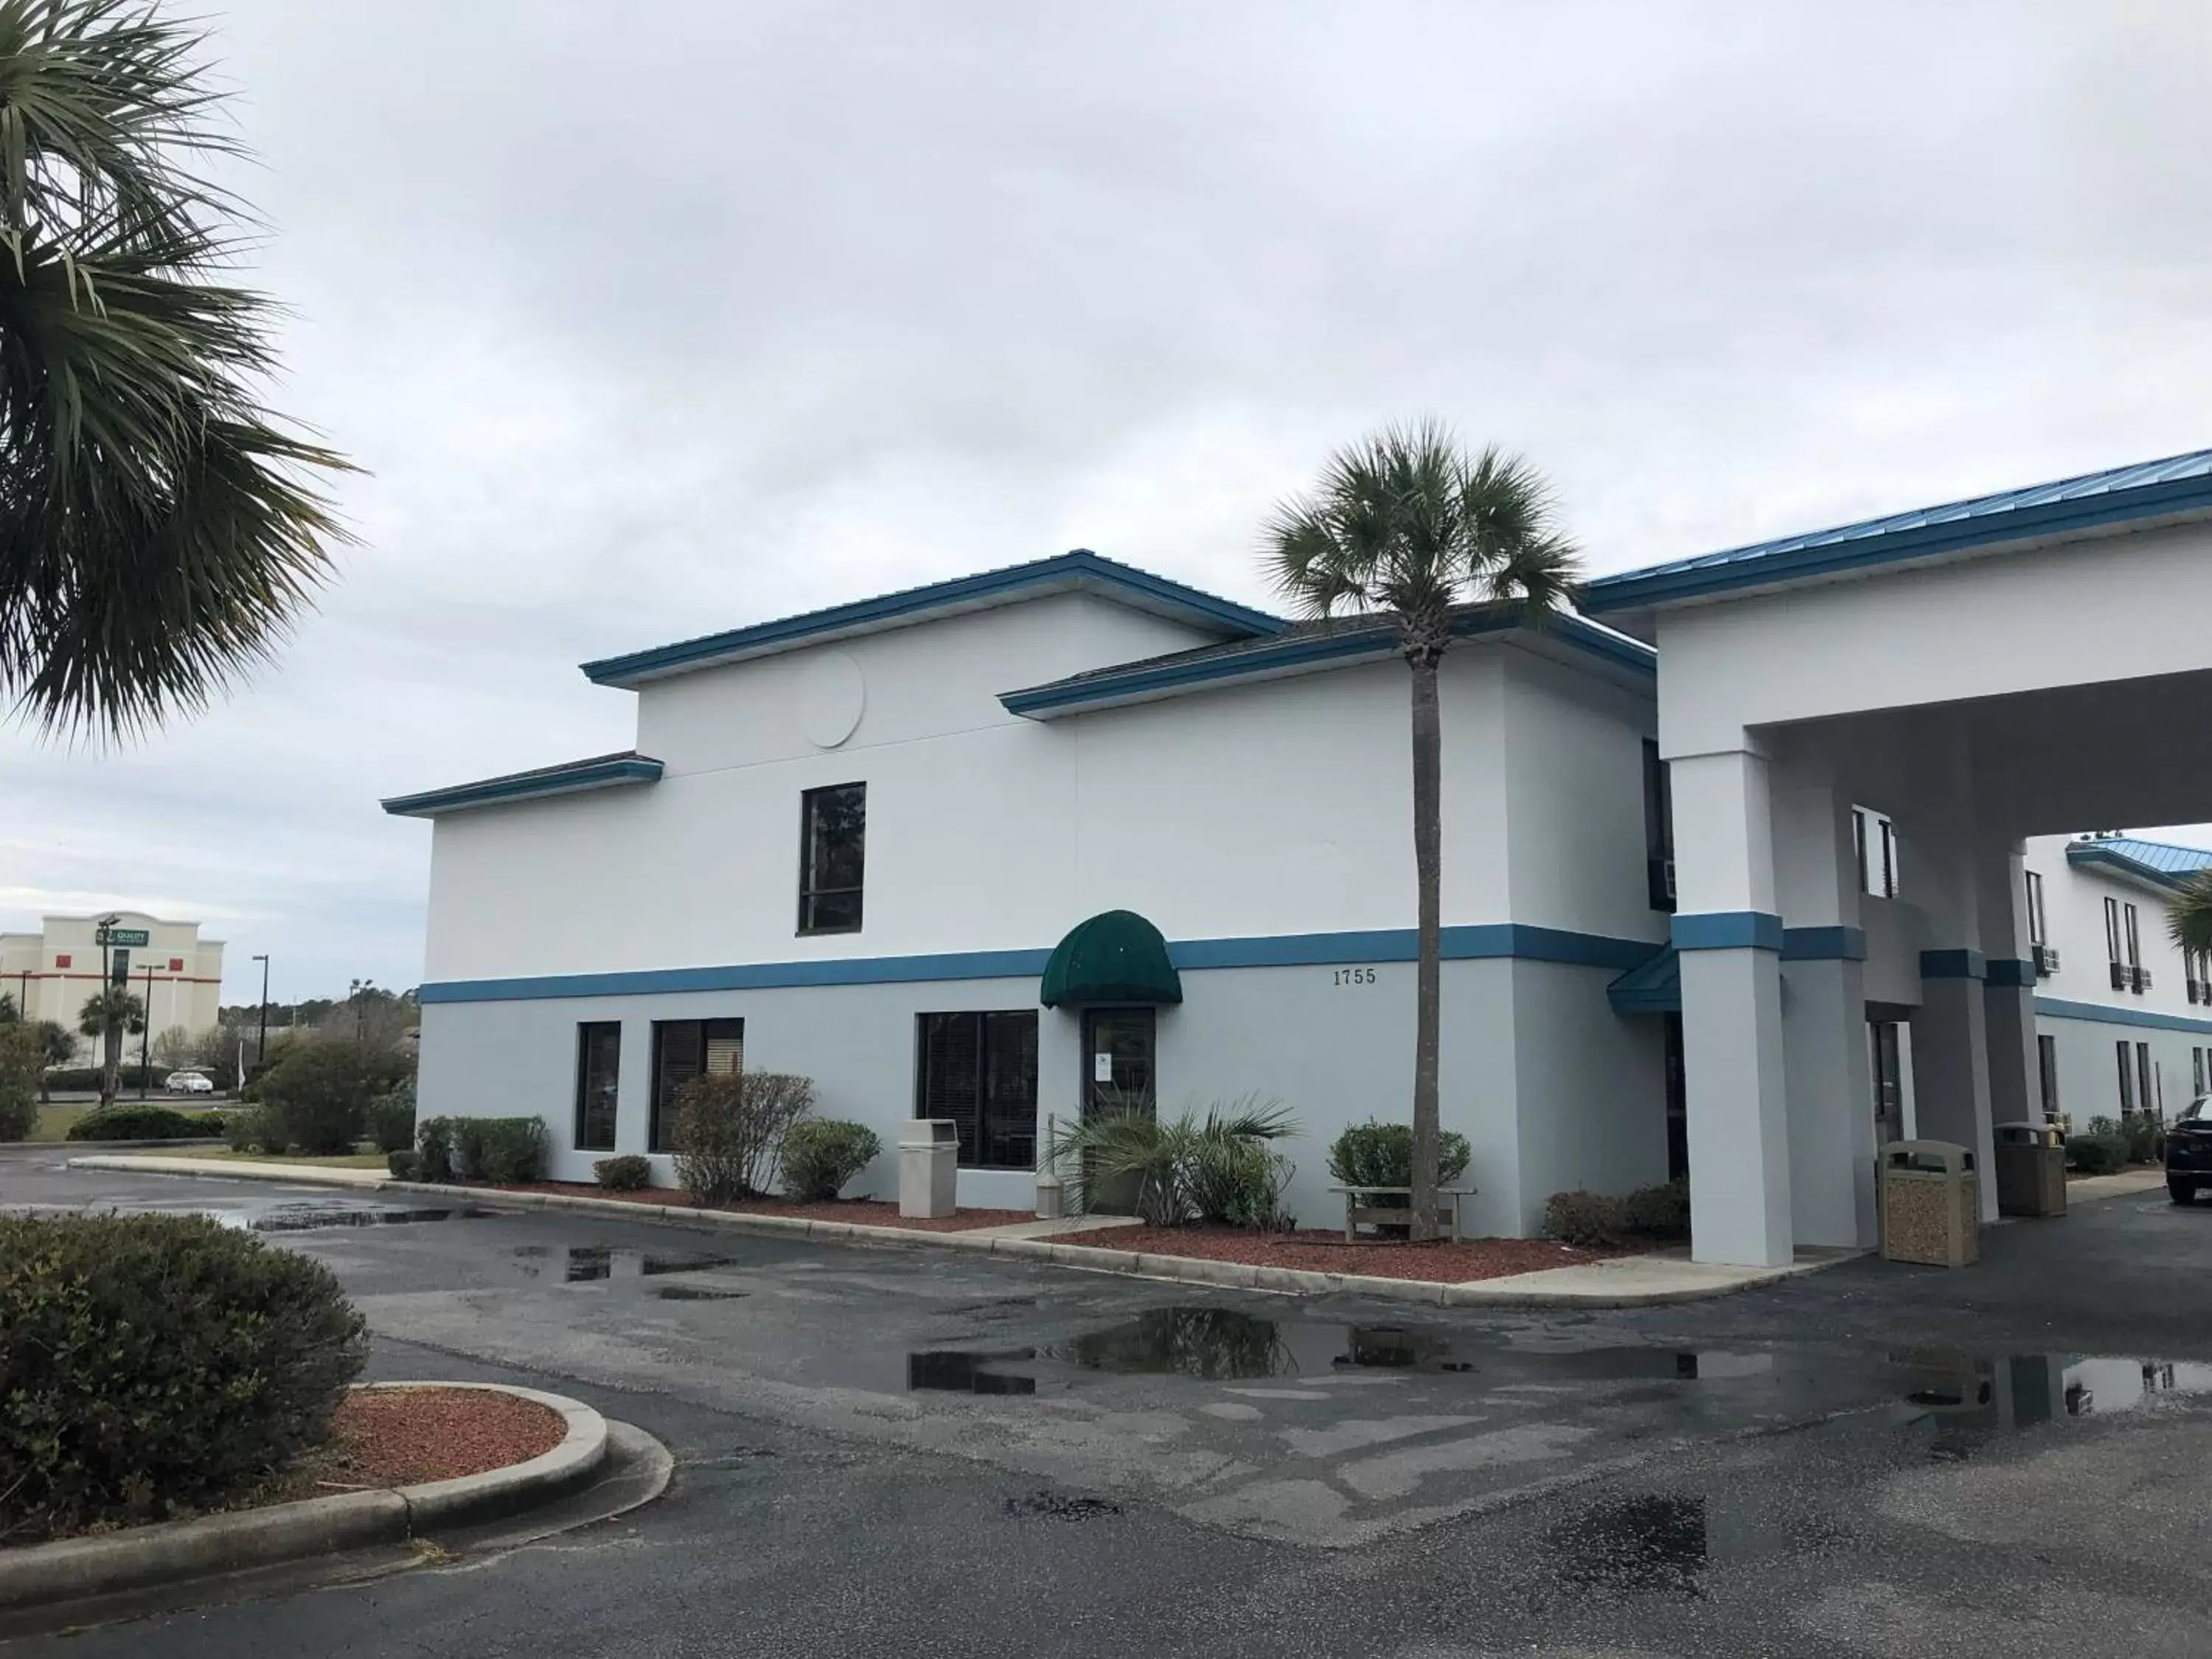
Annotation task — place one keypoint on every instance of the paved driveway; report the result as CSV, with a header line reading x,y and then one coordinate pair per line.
x,y
877,1445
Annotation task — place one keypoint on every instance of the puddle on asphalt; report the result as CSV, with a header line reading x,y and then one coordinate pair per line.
x,y
954,1372
1651,1544
695,1293
1967,1402
580,1264
306,1217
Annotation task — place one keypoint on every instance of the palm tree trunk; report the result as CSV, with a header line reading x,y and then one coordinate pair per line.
x,y
1428,867
111,1068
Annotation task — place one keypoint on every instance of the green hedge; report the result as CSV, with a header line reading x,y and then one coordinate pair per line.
x,y
821,1154
129,1121
482,1149
154,1364
627,1174
75,1079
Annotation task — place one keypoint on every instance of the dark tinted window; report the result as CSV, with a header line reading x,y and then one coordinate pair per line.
x,y
833,843
981,1071
599,1067
682,1049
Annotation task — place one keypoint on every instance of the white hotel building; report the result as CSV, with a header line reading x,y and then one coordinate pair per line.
x,y
1773,864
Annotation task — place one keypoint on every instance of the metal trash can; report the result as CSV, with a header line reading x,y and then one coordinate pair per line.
x,y
1930,1204
929,1166
2031,1169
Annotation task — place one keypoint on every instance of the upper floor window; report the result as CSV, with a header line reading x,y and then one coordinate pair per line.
x,y
1873,839
832,839
2038,924
1658,829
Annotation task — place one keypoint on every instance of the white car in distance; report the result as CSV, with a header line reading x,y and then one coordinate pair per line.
x,y
188,1083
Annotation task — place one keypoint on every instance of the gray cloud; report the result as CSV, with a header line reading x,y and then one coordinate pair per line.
x,y
720,311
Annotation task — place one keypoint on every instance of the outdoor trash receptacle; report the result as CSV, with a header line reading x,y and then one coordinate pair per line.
x,y
2031,1169
929,1164
1930,1204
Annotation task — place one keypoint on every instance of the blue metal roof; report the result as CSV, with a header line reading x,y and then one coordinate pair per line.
x,y
1306,647
1654,985
2178,485
1079,569
569,778
2158,861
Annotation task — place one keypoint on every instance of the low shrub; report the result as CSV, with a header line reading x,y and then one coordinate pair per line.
x,y
77,1078
434,1143
730,1130
1220,1167
2096,1153
22,1061
251,1128
154,1365
2144,1137
404,1162
1239,1183
821,1154
137,1121
499,1148
1376,1154
1591,1219
320,1093
627,1174
1661,1211
391,1119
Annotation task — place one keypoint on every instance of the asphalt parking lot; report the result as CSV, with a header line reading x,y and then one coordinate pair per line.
x,y
901,1452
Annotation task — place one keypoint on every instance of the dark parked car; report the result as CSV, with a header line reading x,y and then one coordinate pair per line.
x,y
2189,1151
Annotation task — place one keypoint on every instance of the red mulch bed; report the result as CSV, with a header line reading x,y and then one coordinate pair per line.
x,y
1315,1251
403,1437
861,1212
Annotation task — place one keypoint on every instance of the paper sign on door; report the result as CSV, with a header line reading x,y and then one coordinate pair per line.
x,y
1101,1068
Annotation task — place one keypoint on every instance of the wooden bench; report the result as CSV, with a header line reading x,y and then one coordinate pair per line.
x,y
1450,1200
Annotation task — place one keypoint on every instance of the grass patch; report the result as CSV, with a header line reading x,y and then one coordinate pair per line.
x,y
54,1120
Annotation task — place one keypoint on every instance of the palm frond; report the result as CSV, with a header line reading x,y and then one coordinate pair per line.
x,y
2189,917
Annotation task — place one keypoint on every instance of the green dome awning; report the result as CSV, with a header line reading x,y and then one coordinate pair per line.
x,y
1115,957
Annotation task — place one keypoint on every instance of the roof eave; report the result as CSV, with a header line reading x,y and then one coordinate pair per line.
x,y
505,792
1081,571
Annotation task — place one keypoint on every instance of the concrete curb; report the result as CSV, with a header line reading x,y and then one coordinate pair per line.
x,y
293,1175
1128,1264
71,1569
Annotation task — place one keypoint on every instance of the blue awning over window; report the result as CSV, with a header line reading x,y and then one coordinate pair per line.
x,y
1654,985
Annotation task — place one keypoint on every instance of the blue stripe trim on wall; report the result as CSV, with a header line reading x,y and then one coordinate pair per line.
x,y
1489,942
1823,944
1952,964
1728,930
2014,972
2058,1008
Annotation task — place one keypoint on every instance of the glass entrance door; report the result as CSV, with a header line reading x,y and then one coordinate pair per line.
x,y
1889,1081
1117,1076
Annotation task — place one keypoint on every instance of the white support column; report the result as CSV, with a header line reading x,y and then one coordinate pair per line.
x,y
1729,935
1827,1065
2008,993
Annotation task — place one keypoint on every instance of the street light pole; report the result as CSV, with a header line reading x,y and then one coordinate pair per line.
x,y
146,1032
261,1049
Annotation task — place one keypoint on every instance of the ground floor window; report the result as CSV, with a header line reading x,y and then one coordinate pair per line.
x,y
2145,1100
2046,1064
599,1067
979,1069
682,1049
1886,1068
2127,1081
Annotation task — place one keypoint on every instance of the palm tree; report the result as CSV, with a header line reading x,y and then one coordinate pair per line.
x,y
2189,916
105,1016
1407,524
158,530
57,1047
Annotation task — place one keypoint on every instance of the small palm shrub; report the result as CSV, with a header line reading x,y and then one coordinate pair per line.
x,y
821,1154
152,1364
730,1131
1220,1167
509,1149
627,1174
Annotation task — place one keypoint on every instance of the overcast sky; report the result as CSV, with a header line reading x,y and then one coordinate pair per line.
x,y
651,320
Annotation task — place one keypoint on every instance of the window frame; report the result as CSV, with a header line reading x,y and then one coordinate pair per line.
x,y
2127,1078
981,1136
587,1030
660,1116
2046,1069
810,894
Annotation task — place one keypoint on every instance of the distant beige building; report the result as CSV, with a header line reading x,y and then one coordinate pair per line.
x,y
175,972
